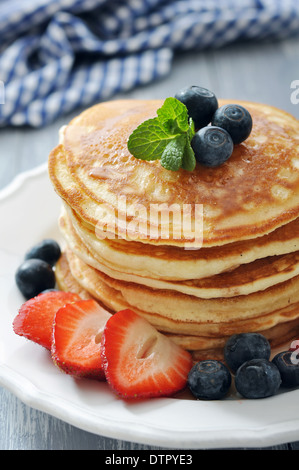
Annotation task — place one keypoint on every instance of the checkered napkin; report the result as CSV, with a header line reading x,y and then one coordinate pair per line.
x,y
58,55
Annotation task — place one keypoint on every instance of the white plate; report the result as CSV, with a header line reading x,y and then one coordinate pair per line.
x,y
29,209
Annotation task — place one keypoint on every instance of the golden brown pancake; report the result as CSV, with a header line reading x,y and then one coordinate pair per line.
x,y
253,193
243,280
174,263
175,312
65,280
280,326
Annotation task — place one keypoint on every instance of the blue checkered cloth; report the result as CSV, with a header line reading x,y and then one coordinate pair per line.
x,y
59,55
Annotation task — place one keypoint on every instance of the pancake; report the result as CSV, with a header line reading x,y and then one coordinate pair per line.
x,y
245,279
176,312
280,337
279,327
173,263
255,192
65,280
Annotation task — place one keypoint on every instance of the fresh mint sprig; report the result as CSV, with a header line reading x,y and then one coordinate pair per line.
x,y
166,137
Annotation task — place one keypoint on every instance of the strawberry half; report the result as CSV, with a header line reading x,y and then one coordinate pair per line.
x,y
77,332
140,362
35,317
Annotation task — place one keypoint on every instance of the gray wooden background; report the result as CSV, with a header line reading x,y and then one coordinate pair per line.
x,y
260,72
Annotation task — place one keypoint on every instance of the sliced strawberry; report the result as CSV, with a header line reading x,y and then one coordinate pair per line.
x,y
139,361
77,332
35,317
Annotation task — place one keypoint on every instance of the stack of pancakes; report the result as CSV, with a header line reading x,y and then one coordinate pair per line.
x,y
234,267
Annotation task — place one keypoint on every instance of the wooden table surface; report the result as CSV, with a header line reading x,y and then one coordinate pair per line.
x,y
262,72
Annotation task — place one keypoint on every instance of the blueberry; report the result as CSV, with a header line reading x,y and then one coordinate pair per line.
x,y
288,366
257,378
212,146
34,276
235,119
200,103
209,380
242,347
48,250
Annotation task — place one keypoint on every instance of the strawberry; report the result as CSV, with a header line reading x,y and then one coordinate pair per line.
x,y
77,331
35,317
140,362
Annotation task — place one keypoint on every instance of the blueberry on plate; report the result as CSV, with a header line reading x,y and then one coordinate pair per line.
x,y
257,378
287,363
34,276
235,119
209,380
212,146
242,347
48,250
200,103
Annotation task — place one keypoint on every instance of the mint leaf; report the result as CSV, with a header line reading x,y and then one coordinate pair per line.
x,y
191,129
166,137
174,111
189,161
149,140
173,153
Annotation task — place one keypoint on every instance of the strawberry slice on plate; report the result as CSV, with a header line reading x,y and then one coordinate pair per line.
x,y
35,317
139,361
77,332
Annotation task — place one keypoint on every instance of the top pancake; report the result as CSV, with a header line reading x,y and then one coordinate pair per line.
x,y
253,193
